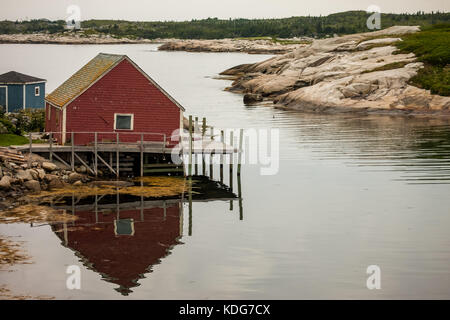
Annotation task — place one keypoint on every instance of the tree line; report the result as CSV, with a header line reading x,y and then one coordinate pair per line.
x,y
214,28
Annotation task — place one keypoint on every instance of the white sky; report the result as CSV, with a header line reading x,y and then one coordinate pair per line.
x,y
147,10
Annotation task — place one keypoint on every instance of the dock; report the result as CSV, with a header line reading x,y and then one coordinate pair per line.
x,y
136,153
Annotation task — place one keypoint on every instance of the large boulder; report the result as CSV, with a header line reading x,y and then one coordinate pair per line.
x,y
41,173
5,182
49,166
33,185
74,177
24,175
251,98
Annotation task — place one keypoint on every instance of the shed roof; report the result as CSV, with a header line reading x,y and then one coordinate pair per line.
x,y
13,77
88,75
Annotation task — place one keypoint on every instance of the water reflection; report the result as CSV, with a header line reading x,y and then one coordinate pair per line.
x,y
417,149
121,237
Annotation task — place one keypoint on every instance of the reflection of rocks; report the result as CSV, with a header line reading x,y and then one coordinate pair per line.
x,y
337,74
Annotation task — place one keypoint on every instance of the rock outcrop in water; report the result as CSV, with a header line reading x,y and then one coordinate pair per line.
x,y
358,72
261,46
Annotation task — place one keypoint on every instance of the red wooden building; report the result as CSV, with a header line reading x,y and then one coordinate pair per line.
x,y
111,95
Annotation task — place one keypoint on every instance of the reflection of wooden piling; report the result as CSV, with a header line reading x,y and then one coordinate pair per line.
x,y
231,161
222,139
190,147
241,211
203,138
241,139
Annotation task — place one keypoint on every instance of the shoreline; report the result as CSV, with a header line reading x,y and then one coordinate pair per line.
x,y
259,46
359,74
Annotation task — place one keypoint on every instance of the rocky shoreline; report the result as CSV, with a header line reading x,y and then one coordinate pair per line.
x,y
19,178
353,73
69,38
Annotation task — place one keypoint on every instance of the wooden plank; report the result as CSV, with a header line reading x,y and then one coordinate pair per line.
x,y
163,170
59,158
84,163
106,164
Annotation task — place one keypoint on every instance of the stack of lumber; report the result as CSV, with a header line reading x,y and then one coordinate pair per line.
x,y
11,155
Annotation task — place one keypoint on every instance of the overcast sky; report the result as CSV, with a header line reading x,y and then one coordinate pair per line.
x,y
146,10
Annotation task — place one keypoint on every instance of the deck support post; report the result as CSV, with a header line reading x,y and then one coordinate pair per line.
x,y
231,161
50,139
211,168
222,139
190,147
241,140
190,206
31,147
117,155
142,154
72,162
95,154
203,141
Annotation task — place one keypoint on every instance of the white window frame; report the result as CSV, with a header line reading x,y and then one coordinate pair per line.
x,y
38,93
124,114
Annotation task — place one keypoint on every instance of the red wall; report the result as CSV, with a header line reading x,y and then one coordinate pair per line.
x,y
122,90
51,125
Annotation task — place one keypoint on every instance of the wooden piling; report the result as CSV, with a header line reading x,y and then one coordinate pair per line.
x,y
190,147
222,139
190,206
211,167
95,154
31,147
142,154
50,140
72,161
117,155
231,162
241,140
203,140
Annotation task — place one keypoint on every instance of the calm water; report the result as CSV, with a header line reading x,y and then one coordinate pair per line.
x,y
351,191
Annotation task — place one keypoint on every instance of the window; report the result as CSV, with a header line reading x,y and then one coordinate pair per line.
x,y
37,91
49,112
123,121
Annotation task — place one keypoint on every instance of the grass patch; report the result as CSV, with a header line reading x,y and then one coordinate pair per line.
x,y
389,66
9,139
432,47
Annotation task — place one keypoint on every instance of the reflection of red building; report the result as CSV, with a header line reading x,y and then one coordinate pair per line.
x,y
124,259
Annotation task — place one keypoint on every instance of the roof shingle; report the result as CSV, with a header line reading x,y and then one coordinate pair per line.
x,y
16,77
83,78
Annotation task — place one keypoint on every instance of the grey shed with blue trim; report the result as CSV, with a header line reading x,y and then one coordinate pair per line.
x,y
19,91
